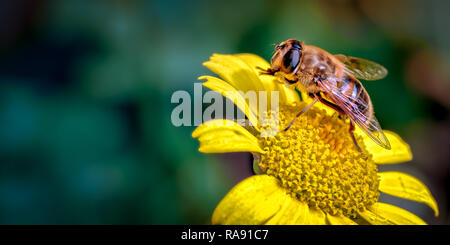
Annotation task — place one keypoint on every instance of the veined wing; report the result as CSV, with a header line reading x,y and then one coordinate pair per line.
x,y
362,68
356,108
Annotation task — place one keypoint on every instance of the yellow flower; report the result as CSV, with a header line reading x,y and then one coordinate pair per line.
x,y
310,174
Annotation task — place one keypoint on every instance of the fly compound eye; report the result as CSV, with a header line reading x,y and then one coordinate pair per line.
x,y
297,45
291,60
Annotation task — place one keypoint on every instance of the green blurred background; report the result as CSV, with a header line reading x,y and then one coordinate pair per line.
x,y
85,88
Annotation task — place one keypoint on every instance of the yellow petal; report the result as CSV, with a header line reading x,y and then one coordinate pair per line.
x,y
288,96
251,202
295,212
220,136
291,212
406,186
254,61
316,217
399,152
228,91
374,218
383,214
234,71
339,220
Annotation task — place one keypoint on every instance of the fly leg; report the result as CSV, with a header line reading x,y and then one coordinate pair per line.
x,y
268,71
315,96
303,111
350,130
331,105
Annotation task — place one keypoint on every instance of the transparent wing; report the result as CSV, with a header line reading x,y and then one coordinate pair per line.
x,y
355,111
362,68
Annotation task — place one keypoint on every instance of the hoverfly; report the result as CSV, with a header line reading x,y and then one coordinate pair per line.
x,y
332,80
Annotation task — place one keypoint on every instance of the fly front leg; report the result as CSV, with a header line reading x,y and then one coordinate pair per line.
x,y
268,71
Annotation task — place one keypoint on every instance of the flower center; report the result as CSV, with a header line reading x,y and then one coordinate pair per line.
x,y
318,163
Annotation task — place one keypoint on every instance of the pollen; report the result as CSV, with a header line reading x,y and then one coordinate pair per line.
x,y
317,162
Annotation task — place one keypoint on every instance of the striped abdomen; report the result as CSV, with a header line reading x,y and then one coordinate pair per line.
x,y
355,96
